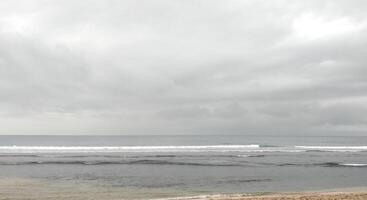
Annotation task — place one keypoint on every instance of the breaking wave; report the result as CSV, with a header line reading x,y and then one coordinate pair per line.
x,y
109,149
333,148
252,148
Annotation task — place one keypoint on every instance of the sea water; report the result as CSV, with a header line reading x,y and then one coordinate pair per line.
x,y
189,165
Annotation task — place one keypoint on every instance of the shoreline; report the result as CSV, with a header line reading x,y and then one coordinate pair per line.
x,y
358,193
15,188
281,196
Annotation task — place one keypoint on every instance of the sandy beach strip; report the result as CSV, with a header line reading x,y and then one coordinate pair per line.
x,y
283,196
20,189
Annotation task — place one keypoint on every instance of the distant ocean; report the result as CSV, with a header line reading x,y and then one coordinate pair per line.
x,y
189,164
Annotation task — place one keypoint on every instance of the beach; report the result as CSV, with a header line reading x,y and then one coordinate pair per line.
x,y
19,189
183,100
298,196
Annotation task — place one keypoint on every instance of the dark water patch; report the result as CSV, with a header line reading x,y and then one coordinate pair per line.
x,y
327,164
160,162
152,156
268,145
19,155
317,151
160,156
256,156
90,156
237,181
324,164
135,156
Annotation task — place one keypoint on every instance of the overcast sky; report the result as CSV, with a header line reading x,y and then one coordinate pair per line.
x,y
183,67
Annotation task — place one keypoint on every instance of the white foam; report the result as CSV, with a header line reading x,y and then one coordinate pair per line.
x,y
333,147
354,165
272,150
244,156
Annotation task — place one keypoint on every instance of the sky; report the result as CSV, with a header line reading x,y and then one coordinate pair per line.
x,y
183,67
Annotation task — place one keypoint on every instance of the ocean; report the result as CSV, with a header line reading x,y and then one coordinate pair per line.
x,y
168,166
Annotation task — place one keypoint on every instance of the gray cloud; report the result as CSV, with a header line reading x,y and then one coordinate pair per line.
x,y
167,67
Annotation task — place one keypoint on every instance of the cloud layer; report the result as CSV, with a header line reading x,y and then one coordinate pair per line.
x,y
183,67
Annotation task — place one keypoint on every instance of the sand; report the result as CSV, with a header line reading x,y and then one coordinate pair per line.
x,y
282,196
22,189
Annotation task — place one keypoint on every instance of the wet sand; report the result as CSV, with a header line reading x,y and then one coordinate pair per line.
x,y
291,196
21,189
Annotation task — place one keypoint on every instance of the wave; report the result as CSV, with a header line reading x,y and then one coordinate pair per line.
x,y
134,156
19,155
135,162
172,162
324,164
268,145
159,162
235,181
340,149
336,150
273,150
252,148
333,147
353,165
141,156
76,149
169,162
335,164
251,156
